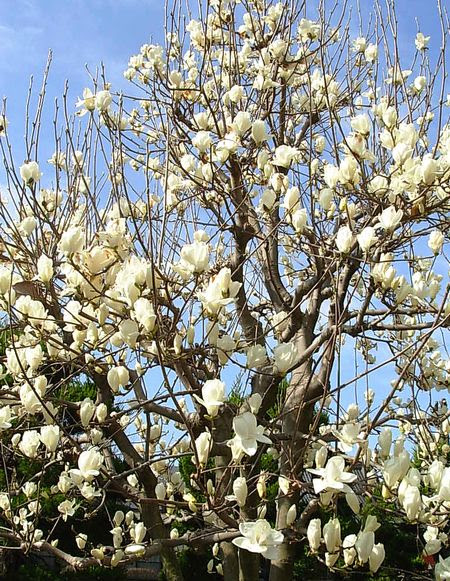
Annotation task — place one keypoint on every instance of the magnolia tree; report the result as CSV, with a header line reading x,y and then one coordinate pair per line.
x,y
250,241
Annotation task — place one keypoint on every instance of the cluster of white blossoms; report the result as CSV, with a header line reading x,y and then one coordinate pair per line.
x,y
360,548
206,259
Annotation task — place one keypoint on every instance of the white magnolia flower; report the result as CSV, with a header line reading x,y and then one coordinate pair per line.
x,y
65,482
242,122
29,399
401,153
320,457
58,159
101,412
284,484
299,220
268,199
435,472
291,199
103,100
194,259
118,377
364,544
390,218
333,476
227,146
385,442
213,396
261,485
236,93
371,53
421,41
240,491
349,171
419,83
133,480
314,534
436,241
331,558
87,102
50,437
98,259
332,535
428,170
248,434
255,401
344,239
348,435
259,133
359,44
285,356
89,464
331,175
135,550
444,486
139,532
81,540
280,322
203,446
202,141
88,491
308,30
376,557
366,238
117,534
30,172
160,491
3,124
256,356
360,124
221,291
98,554
411,500
87,410
45,268
442,569
129,332
6,417
145,314
67,508
27,226
378,185
353,502
291,515
395,468
284,155
349,551
260,537
72,240
203,120
29,443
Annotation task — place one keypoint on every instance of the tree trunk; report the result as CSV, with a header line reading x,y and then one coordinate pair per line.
x,y
230,562
221,433
248,566
151,515
249,563
296,421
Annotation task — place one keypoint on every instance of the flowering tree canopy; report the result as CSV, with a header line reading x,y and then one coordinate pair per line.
x,y
244,255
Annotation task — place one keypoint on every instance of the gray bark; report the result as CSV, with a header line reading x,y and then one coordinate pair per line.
x,y
297,418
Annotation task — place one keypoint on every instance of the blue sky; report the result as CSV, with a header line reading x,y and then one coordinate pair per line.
x,y
89,32
80,33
